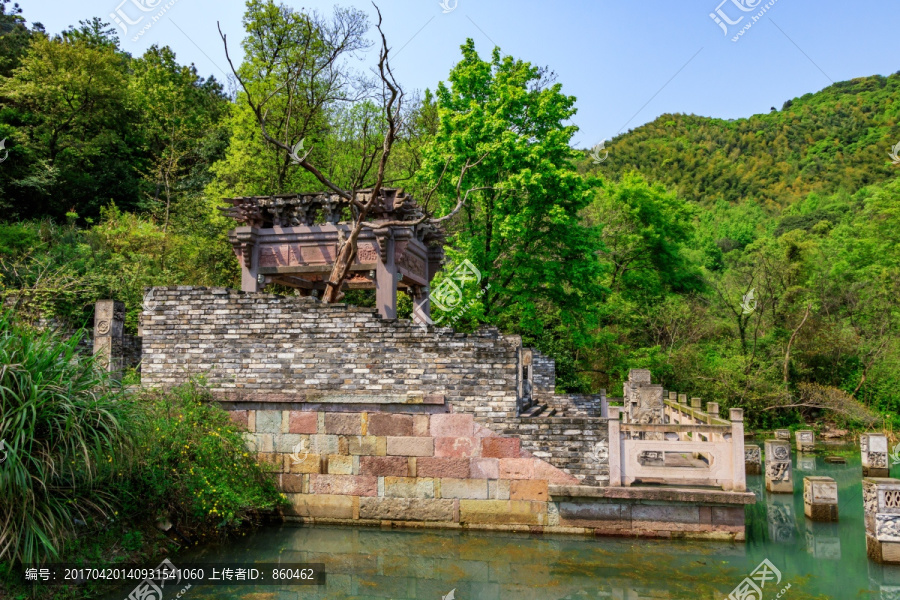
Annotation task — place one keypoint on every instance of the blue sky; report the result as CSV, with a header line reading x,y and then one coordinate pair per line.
x,y
627,62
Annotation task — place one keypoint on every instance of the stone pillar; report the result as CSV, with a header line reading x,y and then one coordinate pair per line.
x,y
682,399
696,403
243,239
874,447
615,447
109,327
779,478
673,396
421,305
386,278
806,440
881,500
783,434
712,408
820,498
752,459
739,476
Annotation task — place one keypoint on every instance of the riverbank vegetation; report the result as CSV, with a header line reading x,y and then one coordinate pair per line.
x,y
752,262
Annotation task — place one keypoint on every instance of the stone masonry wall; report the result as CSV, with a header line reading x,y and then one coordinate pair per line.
x,y
577,445
543,374
258,347
578,405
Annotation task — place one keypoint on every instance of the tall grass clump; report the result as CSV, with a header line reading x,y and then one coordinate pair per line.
x,y
68,433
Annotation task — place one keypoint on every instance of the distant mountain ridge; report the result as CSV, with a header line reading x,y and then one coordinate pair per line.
x,y
832,140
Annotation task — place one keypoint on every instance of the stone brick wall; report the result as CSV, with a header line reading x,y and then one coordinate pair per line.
x,y
259,347
447,471
578,405
543,374
577,445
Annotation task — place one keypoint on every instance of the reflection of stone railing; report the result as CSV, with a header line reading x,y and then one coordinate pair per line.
x,y
708,451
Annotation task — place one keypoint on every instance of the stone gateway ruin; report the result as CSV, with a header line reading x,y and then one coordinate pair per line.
x,y
372,420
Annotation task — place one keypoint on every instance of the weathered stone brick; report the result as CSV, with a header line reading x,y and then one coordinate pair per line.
x,y
409,487
302,422
268,421
291,442
410,446
457,447
291,483
320,506
528,489
405,509
324,444
457,468
343,423
453,425
500,447
382,466
309,463
366,445
240,418
544,470
517,468
502,512
339,464
470,489
485,468
390,425
350,485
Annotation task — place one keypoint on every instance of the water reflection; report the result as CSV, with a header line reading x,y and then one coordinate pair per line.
x,y
819,560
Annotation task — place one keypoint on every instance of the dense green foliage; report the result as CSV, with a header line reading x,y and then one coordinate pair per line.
x,y
835,140
79,454
750,261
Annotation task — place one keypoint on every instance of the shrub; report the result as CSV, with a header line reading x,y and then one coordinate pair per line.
x,y
68,432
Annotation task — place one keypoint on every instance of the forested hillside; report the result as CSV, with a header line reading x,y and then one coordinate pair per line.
x,y
834,140
753,262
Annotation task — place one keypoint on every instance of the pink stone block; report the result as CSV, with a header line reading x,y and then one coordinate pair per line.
x,y
482,431
343,423
485,468
517,468
453,425
442,467
240,418
457,447
344,485
544,470
303,422
500,447
387,424
421,426
384,466
410,446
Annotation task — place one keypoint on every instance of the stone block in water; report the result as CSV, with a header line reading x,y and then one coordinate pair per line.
x,y
820,498
783,434
806,441
881,501
779,476
874,450
752,459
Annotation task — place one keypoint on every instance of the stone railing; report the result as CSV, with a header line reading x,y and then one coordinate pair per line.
x,y
700,450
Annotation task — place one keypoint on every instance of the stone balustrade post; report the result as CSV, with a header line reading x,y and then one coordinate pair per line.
x,y
615,447
783,434
739,474
712,408
779,474
820,498
806,440
874,447
752,459
881,501
109,329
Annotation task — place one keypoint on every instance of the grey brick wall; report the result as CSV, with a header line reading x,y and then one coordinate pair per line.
x,y
544,375
257,347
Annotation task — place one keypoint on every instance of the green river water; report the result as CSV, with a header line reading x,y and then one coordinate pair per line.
x,y
815,560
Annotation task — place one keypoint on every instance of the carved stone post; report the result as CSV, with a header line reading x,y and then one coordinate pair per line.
x,y
109,325
421,304
881,499
386,276
243,240
739,478
615,447
806,441
874,447
779,478
820,498
783,434
752,459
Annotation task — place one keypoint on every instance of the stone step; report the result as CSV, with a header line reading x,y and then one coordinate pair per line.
x,y
534,411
